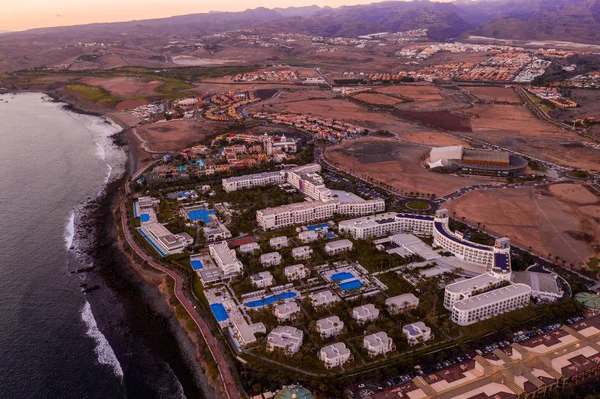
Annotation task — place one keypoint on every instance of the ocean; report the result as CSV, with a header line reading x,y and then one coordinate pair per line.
x,y
76,321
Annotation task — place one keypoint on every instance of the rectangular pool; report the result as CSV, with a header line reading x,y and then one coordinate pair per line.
x,y
351,285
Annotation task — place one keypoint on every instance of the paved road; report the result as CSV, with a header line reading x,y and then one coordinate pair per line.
x,y
211,341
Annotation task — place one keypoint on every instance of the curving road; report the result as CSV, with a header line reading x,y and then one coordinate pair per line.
x,y
211,341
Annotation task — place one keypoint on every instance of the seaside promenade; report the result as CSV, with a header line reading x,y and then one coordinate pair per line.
x,y
212,342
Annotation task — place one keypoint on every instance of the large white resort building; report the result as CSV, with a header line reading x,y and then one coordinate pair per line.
x,y
306,180
313,211
469,300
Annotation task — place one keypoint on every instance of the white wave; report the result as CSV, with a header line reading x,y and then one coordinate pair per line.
x,y
100,151
103,350
70,230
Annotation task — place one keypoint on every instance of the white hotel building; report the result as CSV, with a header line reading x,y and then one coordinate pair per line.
x,y
254,180
225,258
490,304
308,212
497,256
385,224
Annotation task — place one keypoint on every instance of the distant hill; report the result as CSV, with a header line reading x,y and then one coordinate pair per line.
x,y
567,20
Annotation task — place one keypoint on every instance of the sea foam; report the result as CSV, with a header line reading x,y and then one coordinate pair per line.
x,y
103,350
69,234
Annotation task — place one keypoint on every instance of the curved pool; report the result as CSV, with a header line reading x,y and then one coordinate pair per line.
x,y
269,300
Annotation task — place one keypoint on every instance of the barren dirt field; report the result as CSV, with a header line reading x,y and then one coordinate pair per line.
x,y
395,163
336,109
502,94
124,87
415,92
550,220
377,99
514,127
176,135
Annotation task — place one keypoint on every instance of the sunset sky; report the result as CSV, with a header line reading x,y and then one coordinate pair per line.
x,y
26,14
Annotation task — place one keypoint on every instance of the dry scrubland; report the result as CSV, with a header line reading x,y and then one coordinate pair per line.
x,y
514,127
319,103
395,163
177,134
125,87
434,139
377,99
414,92
558,219
502,94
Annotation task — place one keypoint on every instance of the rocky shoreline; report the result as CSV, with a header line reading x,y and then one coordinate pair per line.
x,y
143,291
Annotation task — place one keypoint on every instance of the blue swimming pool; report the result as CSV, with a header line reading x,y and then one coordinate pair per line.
x,y
341,276
219,311
351,285
152,243
181,168
201,214
317,226
269,300
144,217
182,194
196,264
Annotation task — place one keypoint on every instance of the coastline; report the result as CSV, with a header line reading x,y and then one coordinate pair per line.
x,y
109,251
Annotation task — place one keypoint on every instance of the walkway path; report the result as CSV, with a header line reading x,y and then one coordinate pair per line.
x,y
212,343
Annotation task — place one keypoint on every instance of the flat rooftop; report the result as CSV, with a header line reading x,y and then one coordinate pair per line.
x,y
540,282
492,296
478,282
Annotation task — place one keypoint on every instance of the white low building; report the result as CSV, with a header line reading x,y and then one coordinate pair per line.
x,y
544,286
279,242
378,344
338,246
286,311
489,304
216,232
270,259
262,279
323,298
296,272
401,303
249,248
329,326
335,355
308,236
302,253
417,333
160,237
285,338
225,258
365,313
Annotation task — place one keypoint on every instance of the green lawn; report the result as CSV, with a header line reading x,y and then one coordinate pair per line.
x,y
418,205
93,93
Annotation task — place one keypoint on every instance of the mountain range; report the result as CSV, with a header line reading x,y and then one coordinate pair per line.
x,y
571,20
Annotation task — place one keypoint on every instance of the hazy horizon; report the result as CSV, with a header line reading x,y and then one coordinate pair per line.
x,y
18,16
